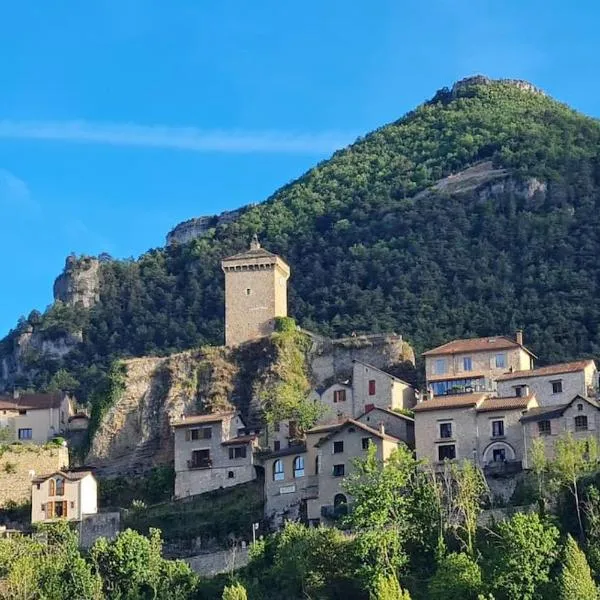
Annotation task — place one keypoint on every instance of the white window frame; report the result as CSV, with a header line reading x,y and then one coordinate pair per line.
x,y
498,420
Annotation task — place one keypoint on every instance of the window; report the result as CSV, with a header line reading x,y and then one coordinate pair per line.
x,y
544,428
445,430
298,467
72,504
22,411
230,474
439,366
338,447
248,291
557,386
500,361
204,433
25,434
277,427
278,473
338,470
200,459
339,396
365,443
467,363
497,428
580,407
499,455
581,423
520,390
317,465
371,387
276,445
237,452
51,488
446,452
60,486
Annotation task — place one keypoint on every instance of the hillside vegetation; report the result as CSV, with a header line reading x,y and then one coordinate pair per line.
x,y
376,245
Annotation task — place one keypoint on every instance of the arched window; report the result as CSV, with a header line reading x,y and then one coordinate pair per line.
x,y
340,505
298,467
317,464
60,486
339,499
52,488
278,473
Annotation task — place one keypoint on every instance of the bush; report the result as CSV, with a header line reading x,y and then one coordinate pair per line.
x,y
458,577
235,592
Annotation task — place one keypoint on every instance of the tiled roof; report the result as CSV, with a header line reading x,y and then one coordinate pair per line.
x,y
325,427
199,419
389,412
70,475
257,253
570,367
512,403
243,439
499,342
31,402
465,375
449,402
299,449
353,423
543,412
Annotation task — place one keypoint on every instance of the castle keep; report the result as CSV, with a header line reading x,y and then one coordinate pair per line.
x,y
255,293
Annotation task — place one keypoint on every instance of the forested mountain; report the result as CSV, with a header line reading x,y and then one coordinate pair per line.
x,y
390,233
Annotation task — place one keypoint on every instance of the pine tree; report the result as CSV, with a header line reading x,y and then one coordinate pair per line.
x,y
575,580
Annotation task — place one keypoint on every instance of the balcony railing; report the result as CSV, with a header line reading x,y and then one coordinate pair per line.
x,y
499,468
199,464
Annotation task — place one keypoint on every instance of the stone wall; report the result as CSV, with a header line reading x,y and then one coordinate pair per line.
x,y
19,463
99,525
222,561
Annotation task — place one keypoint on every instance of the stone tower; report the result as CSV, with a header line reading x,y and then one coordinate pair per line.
x,y
255,293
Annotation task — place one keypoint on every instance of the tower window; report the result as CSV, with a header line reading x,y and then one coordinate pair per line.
x,y
248,291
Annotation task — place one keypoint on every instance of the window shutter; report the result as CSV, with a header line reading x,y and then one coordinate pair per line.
x,y
50,510
187,435
64,508
52,488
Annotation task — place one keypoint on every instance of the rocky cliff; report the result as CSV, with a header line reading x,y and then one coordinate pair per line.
x,y
135,433
195,228
79,283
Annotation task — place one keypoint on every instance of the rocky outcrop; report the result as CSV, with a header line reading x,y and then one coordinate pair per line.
x,y
79,283
194,228
483,80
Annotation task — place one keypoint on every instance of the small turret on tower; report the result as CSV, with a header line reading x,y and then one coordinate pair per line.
x,y
255,293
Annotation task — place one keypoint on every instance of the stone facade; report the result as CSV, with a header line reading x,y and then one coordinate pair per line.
x,y
255,293
94,526
580,418
398,425
472,426
63,495
212,452
554,385
20,464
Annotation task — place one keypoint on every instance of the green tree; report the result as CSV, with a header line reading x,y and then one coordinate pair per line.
x,y
380,514
458,577
575,580
388,588
524,553
62,381
539,467
235,591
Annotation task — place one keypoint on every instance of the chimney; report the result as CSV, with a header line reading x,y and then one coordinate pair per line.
x,y
16,394
519,337
382,428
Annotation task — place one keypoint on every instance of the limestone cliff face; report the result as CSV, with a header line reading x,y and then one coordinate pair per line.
x,y
79,283
135,434
194,228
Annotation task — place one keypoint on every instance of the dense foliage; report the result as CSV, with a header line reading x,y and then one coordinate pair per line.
x,y
370,253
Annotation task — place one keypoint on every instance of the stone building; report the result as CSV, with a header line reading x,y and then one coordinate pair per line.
x,y
579,417
63,495
35,418
255,293
473,365
473,426
554,385
212,452
396,424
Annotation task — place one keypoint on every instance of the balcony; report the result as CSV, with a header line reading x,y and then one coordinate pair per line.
x,y
503,468
199,464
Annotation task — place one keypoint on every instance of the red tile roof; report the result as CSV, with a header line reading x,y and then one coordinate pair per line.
x,y
199,419
512,403
571,367
243,439
366,428
70,475
31,402
476,345
450,402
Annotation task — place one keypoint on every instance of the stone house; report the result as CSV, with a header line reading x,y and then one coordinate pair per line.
x,y
212,452
63,495
396,424
255,293
473,365
35,418
580,417
473,426
554,385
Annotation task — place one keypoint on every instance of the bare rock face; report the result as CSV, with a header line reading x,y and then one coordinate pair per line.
x,y
483,80
194,228
79,283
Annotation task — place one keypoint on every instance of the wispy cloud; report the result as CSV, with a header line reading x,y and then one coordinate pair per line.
x,y
176,138
16,195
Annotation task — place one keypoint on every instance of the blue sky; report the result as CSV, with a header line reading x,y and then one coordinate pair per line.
x,y
121,118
